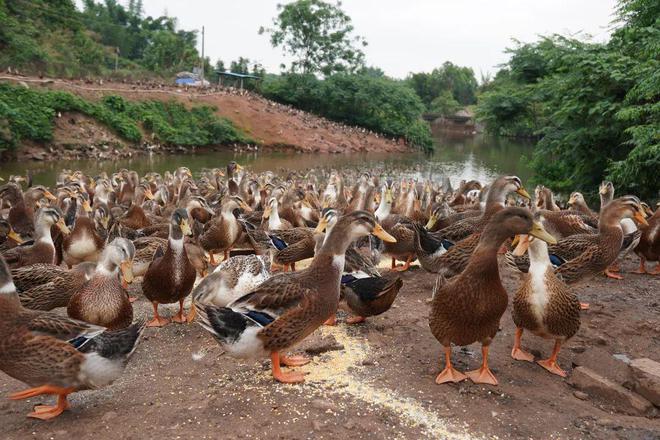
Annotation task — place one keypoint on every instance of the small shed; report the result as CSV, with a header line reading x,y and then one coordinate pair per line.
x,y
240,77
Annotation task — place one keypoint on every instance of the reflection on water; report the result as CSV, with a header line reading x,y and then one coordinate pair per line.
x,y
477,157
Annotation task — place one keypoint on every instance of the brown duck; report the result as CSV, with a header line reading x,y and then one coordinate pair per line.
x,y
469,307
288,307
103,300
171,275
42,250
56,355
544,305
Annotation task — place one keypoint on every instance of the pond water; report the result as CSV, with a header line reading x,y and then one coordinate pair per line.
x,y
474,157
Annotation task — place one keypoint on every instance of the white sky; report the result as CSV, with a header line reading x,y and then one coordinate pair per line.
x,y
403,36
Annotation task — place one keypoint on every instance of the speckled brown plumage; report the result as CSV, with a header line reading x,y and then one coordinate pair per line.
x,y
560,316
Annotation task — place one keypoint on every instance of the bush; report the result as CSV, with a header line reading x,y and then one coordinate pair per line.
x,y
377,103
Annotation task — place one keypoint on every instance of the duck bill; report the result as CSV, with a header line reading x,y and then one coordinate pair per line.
x,y
522,245
126,268
86,207
149,195
539,232
267,212
515,241
62,226
389,198
523,192
323,223
571,201
239,168
382,234
185,228
105,221
15,236
431,222
639,216
49,195
247,208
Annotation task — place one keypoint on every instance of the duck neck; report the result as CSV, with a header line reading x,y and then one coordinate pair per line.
x,y
539,259
176,239
274,219
384,209
107,267
42,232
8,292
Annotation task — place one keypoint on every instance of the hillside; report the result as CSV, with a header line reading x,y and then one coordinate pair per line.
x,y
269,124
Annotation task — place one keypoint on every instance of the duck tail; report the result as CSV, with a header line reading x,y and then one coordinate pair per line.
x,y
115,344
223,323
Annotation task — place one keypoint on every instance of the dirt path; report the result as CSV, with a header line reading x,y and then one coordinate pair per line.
x,y
370,381
271,124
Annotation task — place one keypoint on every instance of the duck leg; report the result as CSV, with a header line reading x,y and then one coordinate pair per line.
x,y
656,271
226,254
449,374
517,352
405,266
294,361
483,374
355,320
551,364
192,314
158,321
332,320
584,306
45,412
278,375
212,261
642,266
180,317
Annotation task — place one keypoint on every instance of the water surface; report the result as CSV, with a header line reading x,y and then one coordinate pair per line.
x,y
476,157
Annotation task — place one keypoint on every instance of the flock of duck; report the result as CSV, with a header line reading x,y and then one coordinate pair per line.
x,y
80,243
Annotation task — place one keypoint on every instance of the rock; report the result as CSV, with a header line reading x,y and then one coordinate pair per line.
x,y
325,344
609,393
324,405
603,363
580,395
647,379
110,415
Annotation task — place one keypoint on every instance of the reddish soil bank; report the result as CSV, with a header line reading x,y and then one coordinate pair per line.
x,y
272,125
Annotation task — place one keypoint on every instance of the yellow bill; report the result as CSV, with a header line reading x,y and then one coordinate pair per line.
x,y
539,232
381,233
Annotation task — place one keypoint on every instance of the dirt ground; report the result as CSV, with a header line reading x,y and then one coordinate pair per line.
x,y
374,380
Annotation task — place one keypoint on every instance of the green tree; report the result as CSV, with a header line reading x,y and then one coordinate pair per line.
x,y
459,81
318,35
594,106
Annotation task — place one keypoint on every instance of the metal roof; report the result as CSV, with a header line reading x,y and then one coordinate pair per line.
x,y
237,75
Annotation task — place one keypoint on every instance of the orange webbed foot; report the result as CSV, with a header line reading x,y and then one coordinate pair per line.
x,y
482,375
331,321
520,355
291,377
614,276
355,320
552,366
450,374
179,318
158,322
294,361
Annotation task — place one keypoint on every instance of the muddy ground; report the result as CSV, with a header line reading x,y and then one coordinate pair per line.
x,y
374,380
